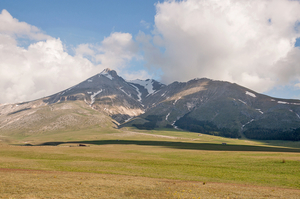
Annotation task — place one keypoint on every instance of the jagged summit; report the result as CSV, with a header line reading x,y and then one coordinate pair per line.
x,y
109,73
107,70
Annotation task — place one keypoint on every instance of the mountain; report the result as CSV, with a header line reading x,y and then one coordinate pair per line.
x,y
199,105
221,108
106,92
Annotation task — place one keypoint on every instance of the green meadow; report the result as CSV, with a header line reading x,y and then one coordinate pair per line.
x,y
187,159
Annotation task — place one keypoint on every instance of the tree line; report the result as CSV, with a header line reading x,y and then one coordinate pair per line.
x,y
273,134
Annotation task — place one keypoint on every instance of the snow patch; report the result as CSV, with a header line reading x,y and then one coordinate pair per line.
x,y
139,93
147,84
176,100
167,116
295,113
154,92
247,123
128,119
90,80
94,95
173,124
242,101
164,94
250,94
124,91
281,102
106,74
260,111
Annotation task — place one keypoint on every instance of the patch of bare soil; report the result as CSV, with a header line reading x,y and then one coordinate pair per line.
x,y
22,183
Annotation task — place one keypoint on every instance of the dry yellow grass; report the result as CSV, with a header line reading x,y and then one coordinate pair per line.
x,y
18,183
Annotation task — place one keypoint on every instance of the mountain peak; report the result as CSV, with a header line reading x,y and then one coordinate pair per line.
x,y
109,73
106,70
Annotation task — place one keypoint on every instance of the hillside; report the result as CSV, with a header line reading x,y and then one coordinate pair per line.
x,y
199,105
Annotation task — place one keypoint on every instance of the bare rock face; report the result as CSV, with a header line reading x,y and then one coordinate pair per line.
x,y
200,105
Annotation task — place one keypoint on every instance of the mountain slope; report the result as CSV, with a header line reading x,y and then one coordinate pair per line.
x,y
105,92
200,105
227,107
37,117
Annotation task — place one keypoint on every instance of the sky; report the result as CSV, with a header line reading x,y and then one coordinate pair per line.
x,y
48,46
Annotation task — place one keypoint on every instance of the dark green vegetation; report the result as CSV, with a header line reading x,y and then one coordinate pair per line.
x,y
151,124
272,134
206,127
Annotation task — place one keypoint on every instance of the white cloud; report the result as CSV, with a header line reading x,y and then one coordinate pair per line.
x,y
233,40
42,69
84,50
289,67
140,74
115,52
45,68
297,86
145,24
12,26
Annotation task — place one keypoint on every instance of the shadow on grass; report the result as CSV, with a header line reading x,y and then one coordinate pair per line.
x,y
180,145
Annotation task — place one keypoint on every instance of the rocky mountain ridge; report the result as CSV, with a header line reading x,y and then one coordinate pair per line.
x,y
200,105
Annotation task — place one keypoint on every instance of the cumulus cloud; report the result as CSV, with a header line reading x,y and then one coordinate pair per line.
x,y
115,52
289,67
44,67
250,42
13,27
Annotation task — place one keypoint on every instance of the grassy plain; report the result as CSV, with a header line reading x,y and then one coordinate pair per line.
x,y
146,164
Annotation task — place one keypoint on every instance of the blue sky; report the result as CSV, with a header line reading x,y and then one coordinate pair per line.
x,y
52,45
76,21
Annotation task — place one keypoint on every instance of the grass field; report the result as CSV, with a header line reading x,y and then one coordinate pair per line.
x,y
147,164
